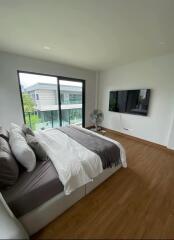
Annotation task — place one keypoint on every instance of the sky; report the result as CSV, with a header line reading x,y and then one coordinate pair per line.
x,y
28,79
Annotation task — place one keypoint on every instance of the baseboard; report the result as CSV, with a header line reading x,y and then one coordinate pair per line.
x,y
89,127
139,140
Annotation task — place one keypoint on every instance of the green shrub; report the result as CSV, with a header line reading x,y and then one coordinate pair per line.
x,y
32,120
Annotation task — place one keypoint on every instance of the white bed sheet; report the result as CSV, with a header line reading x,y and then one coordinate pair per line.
x,y
75,164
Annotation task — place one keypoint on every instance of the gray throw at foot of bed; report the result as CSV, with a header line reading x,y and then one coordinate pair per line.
x,y
107,151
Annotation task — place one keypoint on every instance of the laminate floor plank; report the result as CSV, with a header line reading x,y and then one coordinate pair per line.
x,y
134,203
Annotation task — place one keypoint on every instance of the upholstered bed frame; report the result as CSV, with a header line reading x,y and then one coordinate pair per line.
x,y
47,212
31,222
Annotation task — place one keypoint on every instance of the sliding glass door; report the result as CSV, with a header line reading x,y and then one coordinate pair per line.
x,y
51,101
71,100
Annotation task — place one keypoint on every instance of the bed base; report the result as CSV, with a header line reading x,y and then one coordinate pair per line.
x,y
47,212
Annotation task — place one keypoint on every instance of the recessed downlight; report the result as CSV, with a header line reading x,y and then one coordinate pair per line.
x,y
46,47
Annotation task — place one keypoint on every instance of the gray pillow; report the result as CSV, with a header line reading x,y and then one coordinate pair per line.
x,y
4,133
27,130
9,170
39,151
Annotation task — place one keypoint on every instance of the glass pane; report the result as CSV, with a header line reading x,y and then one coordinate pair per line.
x,y
40,100
71,102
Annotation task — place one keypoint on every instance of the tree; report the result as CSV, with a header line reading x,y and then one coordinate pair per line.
x,y
31,117
28,103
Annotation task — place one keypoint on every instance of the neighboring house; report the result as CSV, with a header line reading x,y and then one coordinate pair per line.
x,y
46,98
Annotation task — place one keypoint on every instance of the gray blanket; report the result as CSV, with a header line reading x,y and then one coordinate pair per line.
x,y
107,151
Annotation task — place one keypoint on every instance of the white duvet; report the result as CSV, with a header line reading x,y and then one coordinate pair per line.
x,y
75,164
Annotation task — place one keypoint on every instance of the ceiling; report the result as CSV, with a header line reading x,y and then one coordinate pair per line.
x,y
94,34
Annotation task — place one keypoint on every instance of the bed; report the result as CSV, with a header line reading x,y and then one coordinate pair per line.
x,y
79,160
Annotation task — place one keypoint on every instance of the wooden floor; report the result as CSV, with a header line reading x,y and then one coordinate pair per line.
x,y
135,203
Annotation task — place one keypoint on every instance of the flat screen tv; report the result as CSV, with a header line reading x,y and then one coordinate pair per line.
x,y
130,101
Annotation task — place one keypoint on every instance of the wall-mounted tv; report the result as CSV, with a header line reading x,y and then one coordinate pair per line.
x,y
130,101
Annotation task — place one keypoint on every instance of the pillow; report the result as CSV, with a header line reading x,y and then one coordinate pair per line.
x,y
22,152
34,143
16,128
27,130
4,133
8,166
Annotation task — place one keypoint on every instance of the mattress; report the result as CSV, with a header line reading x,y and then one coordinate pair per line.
x,y
33,189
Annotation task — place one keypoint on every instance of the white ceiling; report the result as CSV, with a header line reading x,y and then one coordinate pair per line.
x,y
95,34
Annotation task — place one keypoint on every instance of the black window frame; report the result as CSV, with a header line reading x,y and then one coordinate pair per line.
x,y
59,77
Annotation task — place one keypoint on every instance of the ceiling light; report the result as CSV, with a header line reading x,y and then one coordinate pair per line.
x,y
46,47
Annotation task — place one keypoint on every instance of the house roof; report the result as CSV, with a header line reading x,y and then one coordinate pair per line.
x,y
51,86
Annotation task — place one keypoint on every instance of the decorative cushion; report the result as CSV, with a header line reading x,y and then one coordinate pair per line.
x,y
8,166
27,130
21,150
4,133
16,128
34,143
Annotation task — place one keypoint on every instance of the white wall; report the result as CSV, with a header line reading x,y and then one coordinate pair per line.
x,y
171,135
156,74
10,103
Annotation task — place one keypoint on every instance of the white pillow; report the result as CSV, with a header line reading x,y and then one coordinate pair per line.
x,y
21,150
14,126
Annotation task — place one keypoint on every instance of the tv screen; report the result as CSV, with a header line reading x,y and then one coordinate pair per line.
x,y
130,101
